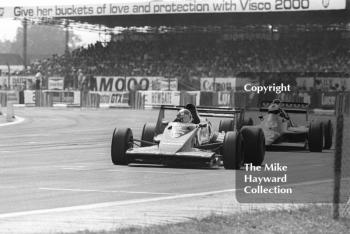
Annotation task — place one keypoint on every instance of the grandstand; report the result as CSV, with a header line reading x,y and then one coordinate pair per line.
x,y
191,46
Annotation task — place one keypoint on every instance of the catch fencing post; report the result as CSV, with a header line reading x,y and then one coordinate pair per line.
x,y
339,108
346,112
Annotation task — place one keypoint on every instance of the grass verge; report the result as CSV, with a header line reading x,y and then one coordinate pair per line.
x,y
309,219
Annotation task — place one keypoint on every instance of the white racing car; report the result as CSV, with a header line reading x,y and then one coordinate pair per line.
x,y
191,138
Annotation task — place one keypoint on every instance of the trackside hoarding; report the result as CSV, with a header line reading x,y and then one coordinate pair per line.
x,y
17,81
117,99
56,83
121,83
156,98
171,7
223,83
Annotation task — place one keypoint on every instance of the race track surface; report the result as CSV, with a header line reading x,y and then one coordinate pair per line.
x,y
56,175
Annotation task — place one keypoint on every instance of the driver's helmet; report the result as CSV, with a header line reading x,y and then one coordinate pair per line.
x,y
184,116
276,101
274,108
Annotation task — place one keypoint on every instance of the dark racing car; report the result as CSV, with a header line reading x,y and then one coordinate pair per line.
x,y
279,128
190,138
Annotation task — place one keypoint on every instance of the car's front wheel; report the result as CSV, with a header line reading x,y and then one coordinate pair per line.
x,y
328,134
122,140
233,150
254,145
315,136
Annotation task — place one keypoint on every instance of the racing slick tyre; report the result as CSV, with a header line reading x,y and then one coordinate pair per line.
x,y
148,132
248,122
328,134
122,140
233,150
315,137
226,125
254,145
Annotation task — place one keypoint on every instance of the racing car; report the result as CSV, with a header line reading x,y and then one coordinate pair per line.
x,y
191,138
279,128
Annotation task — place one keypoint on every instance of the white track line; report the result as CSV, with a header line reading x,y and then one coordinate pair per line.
x,y
109,204
105,191
17,121
130,202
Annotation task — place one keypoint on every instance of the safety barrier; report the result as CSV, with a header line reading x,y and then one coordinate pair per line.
x,y
3,98
140,99
91,100
43,99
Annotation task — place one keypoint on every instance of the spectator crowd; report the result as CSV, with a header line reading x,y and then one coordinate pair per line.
x,y
201,56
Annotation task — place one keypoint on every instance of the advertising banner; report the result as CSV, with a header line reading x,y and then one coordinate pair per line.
x,y
22,81
196,96
151,7
328,100
305,83
64,97
18,81
56,83
165,84
157,98
224,98
29,96
218,84
3,81
120,83
328,84
117,99
12,97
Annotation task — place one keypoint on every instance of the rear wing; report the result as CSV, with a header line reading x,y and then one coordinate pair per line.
x,y
289,107
221,112
204,111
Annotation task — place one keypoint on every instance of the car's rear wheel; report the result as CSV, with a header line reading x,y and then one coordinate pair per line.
x,y
254,145
315,137
226,125
148,133
328,134
233,150
122,140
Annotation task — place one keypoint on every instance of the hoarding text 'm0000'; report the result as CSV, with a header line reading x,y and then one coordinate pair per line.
x,y
173,7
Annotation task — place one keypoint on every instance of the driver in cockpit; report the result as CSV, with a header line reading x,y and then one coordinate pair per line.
x,y
183,116
275,108
182,124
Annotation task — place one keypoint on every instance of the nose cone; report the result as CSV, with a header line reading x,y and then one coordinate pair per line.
x,y
174,139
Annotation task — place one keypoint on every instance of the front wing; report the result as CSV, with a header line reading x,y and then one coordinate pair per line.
x,y
152,153
290,135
